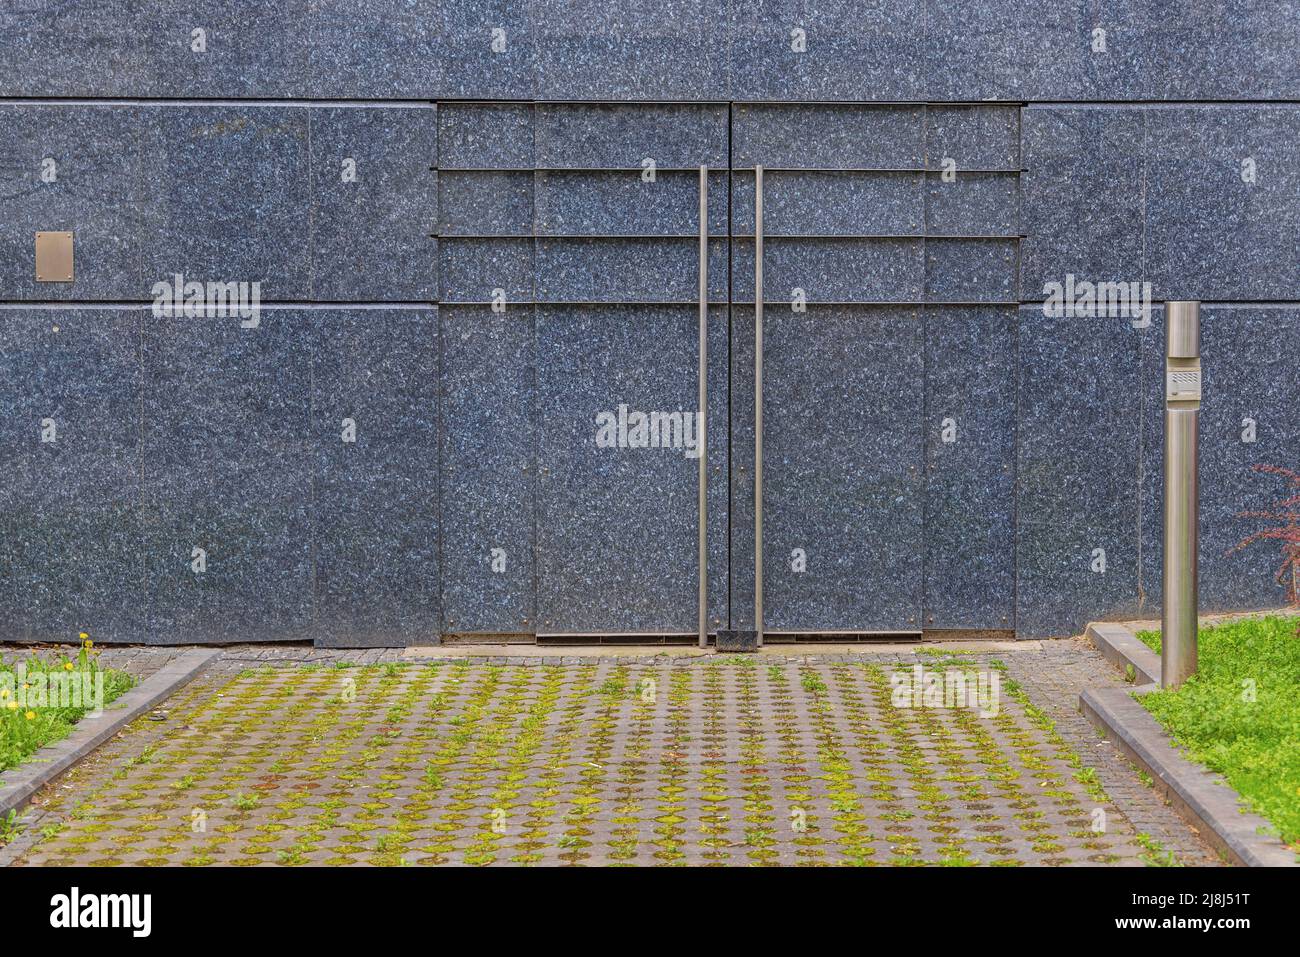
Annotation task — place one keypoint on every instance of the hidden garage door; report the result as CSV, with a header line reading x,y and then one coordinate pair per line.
x,y
570,264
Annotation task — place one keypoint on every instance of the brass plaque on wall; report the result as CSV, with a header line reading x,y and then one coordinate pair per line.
x,y
54,257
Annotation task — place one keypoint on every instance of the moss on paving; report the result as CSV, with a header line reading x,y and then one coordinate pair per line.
x,y
710,762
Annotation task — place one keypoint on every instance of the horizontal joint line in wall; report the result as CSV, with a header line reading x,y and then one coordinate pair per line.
x,y
281,304
885,302
722,236
290,304
693,236
522,303
1251,303
875,169
576,169
1170,104
302,102
853,236
517,303
559,101
960,171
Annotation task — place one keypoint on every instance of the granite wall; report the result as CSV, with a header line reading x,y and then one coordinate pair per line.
x,y
474,229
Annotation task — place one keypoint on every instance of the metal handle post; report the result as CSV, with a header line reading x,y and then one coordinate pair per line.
x,y
1181,493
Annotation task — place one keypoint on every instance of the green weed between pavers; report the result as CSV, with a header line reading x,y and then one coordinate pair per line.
x,y
1240,713
42,697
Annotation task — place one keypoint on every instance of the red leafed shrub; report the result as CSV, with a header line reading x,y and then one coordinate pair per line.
x,y
1283,527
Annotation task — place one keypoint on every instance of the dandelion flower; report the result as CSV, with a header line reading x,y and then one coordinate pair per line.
x,y
13,705
4,693
67,666
31,715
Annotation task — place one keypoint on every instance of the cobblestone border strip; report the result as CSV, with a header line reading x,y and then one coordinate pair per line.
x,y
17,785
1200,796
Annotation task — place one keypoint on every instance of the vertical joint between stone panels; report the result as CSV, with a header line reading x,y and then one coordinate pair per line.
x,y
924,491
311,209
730,622
440,423
925,202
535,412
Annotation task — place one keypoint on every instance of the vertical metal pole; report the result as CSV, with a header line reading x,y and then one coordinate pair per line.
x,y
758,404
702,416
1182,408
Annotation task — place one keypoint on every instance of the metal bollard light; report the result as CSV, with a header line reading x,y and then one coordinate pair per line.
x,y
1179,619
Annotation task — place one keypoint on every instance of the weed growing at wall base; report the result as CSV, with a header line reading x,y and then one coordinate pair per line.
x,y
42,698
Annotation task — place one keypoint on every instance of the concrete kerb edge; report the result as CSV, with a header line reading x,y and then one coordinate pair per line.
x,y
17,785
1203,798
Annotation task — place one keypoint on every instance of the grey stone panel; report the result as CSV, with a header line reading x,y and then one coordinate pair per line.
x,y
973,204
623,136
227,469
381,49
623,203
478,61
70,555
489,469
595,50
375,517
66,168
796,204
831,270
617,526
1248,373
974,137
485,136
483,203
850,51
1083,196
1210,234
224,48
1241,51
628,270
813,136
970,437
471,269
71,48
1076,472
971,270
202,164
842,466
372,231
1035,50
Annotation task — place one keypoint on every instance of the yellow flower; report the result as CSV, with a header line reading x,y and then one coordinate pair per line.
x,y
84,636
31,715
13,705
89,643
4,693
67,666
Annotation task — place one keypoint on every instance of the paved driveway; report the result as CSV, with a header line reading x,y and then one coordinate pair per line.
x,y
639,759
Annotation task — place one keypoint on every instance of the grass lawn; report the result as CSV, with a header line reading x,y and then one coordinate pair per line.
x,y
38,705
1240,713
